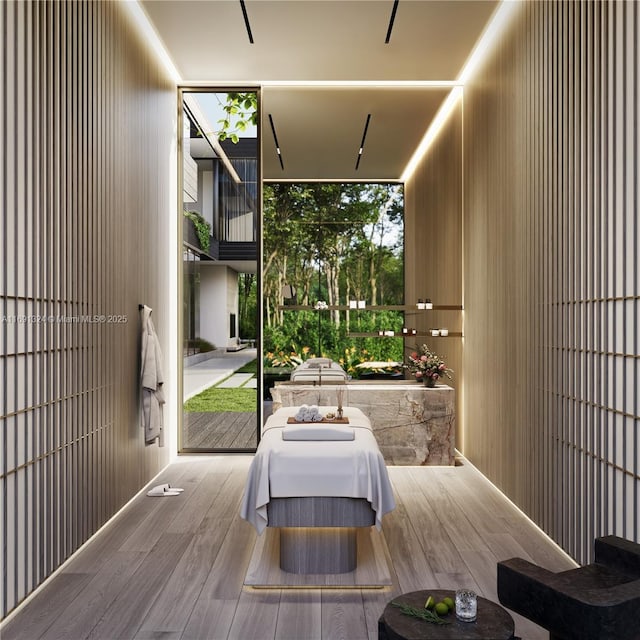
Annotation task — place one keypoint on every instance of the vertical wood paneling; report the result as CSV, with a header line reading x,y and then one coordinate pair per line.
x,y
551,269
433,247
87,124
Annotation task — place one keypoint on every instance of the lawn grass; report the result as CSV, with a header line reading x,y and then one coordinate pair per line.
x,y
250,367
214,399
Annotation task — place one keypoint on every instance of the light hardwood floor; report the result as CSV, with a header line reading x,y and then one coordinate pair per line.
x,y
220,430
173,568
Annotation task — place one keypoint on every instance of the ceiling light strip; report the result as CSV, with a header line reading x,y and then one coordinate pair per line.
x,y
438,122
391,21
275,140
153,40
384,84
497,25
364,136
246,21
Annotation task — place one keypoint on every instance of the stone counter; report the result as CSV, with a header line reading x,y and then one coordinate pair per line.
x,y
413,425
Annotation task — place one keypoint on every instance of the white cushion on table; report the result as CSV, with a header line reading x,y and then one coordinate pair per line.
x,y
317,432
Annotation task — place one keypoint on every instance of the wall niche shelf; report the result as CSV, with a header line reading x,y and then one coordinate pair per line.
x,y
379,307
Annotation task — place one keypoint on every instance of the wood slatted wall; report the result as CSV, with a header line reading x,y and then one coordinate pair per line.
x,y
433,250
88,126
551,269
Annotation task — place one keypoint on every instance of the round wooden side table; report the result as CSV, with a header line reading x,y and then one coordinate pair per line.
x,y
493,622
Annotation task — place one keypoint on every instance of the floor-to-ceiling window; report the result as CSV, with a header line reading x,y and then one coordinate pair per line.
x,y
220,231
333,278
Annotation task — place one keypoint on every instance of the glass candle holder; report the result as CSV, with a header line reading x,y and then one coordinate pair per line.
x,y
466,605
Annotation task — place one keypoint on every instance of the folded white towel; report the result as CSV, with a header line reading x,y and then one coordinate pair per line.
x,y
309,414
317,432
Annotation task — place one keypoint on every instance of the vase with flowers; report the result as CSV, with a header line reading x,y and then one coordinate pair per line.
x,y
425,366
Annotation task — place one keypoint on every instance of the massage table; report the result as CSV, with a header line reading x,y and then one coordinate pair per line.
x,y
317,491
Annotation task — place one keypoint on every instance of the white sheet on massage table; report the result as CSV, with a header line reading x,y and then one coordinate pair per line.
x,y
286,469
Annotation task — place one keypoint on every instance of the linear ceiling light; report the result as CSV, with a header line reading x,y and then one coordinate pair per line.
x,y
246,21
496,26
364,136
391,21
275,140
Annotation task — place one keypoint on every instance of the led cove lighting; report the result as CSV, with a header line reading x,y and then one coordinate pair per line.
x,y
357,83
150,35
495,27
432,132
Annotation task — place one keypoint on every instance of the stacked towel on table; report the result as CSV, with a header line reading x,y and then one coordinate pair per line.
x,y
309,414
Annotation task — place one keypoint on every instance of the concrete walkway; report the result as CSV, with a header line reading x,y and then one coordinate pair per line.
x,y
201,376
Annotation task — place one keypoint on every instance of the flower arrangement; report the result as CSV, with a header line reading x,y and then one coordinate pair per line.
x,y
428,367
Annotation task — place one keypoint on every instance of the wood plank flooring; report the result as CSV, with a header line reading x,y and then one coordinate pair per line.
x,y
221,430
173,568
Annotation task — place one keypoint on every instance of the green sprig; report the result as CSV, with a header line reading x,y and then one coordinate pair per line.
x,y
423,614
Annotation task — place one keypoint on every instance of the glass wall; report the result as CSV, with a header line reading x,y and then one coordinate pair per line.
x,y
221,223
333,280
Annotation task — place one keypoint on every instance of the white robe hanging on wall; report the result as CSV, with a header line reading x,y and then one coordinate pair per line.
x,y
151,382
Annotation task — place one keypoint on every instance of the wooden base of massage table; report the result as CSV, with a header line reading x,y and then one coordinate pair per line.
x,y
318,534
321,550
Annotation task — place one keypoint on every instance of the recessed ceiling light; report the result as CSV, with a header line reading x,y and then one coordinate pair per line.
x,y
275,140
364,137
391,21
246,21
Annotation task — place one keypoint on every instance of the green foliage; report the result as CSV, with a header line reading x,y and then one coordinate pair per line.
x,y
203,229
421,613
287,357
248,305
332,243
353,356
201,345
241,110
303,328
250,367
214,400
